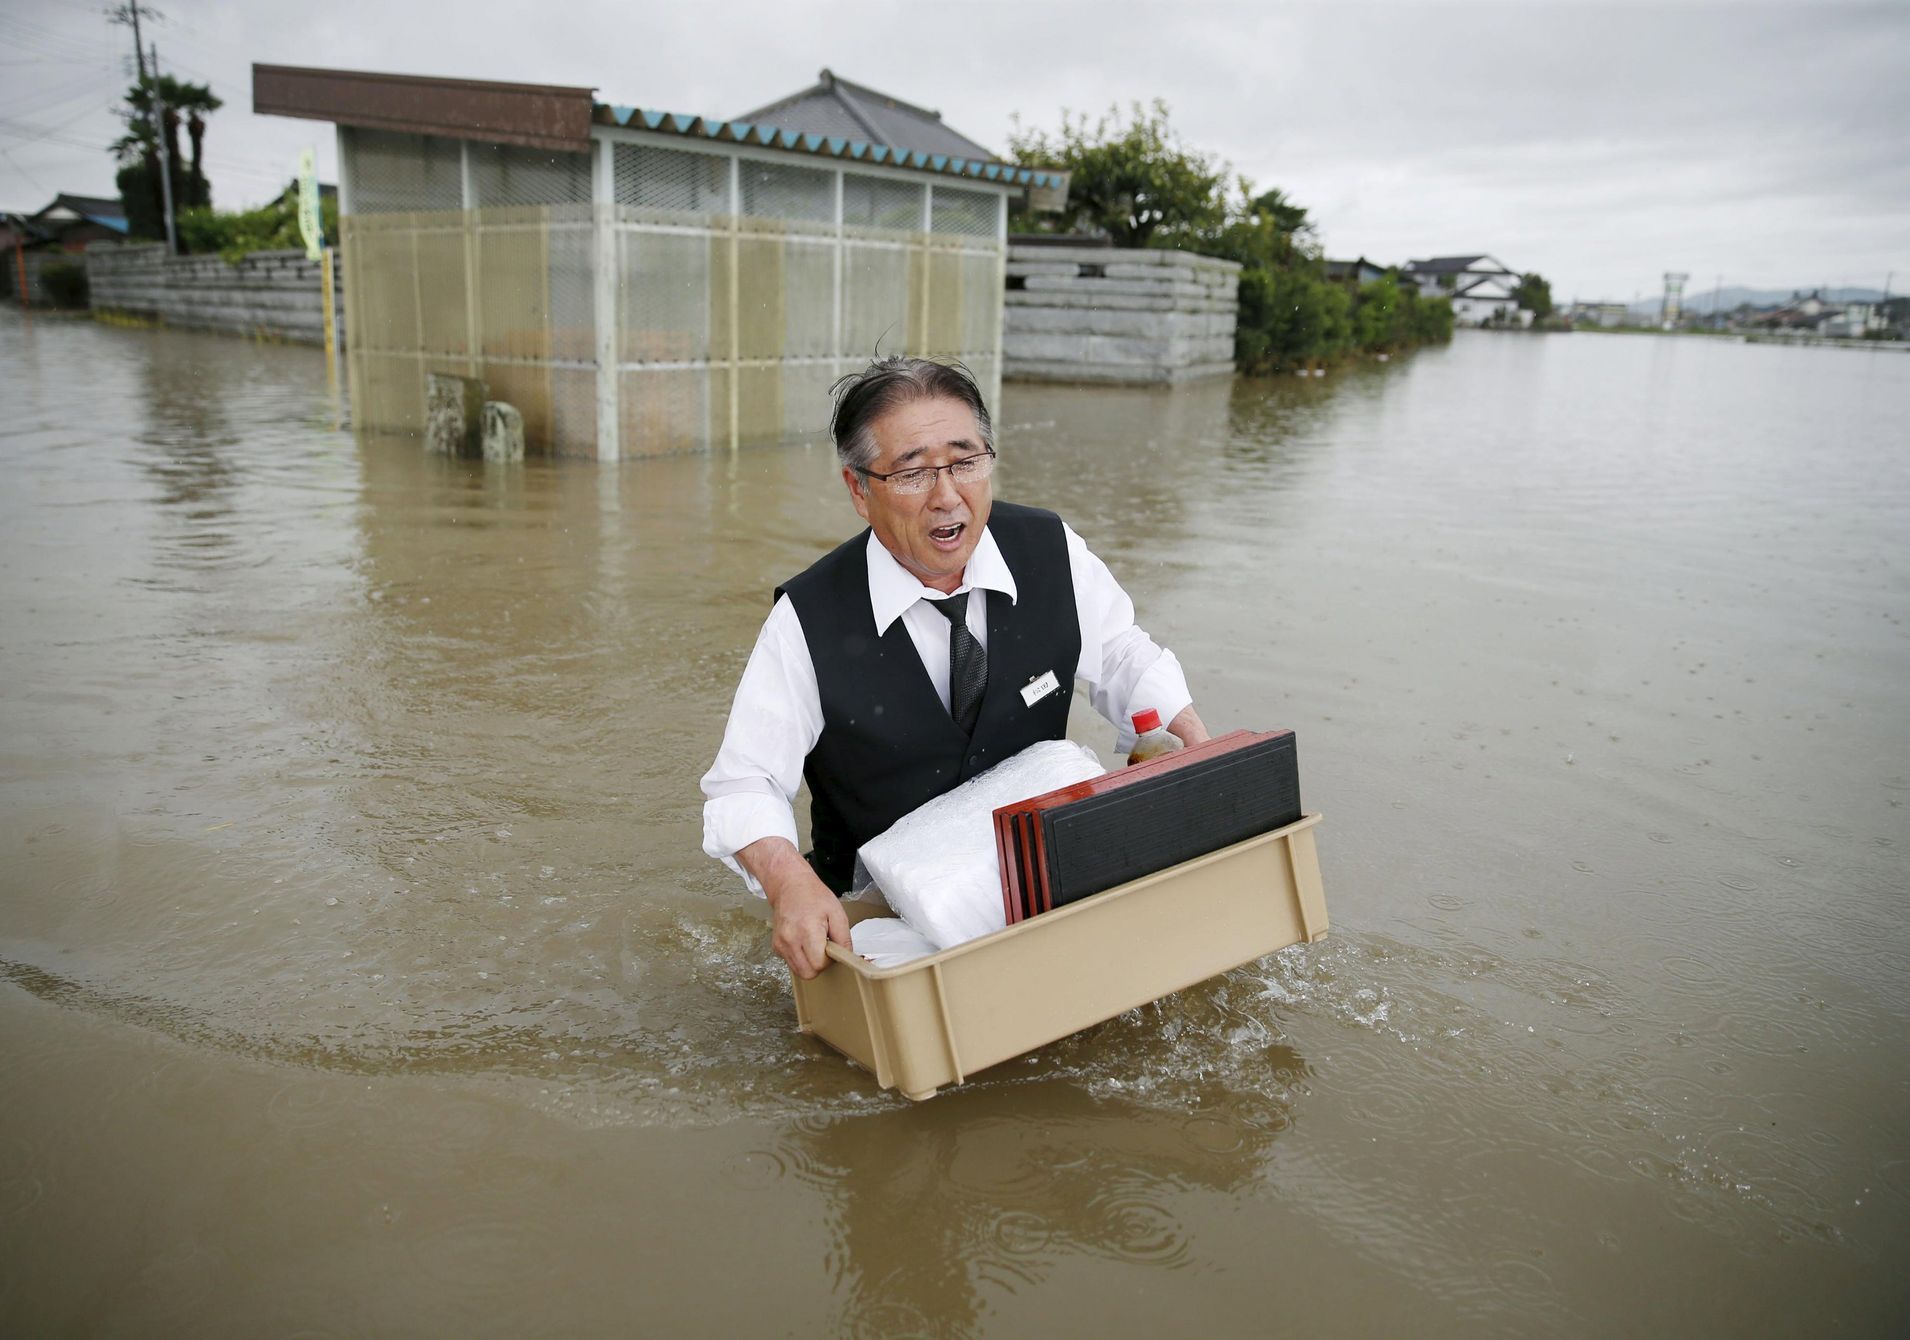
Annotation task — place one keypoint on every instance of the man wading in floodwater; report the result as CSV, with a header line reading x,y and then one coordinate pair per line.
x,y
940,641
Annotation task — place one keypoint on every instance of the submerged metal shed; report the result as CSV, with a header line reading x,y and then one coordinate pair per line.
x,y
638,281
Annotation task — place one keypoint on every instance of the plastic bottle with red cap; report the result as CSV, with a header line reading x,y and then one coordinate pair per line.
x,y
1154,738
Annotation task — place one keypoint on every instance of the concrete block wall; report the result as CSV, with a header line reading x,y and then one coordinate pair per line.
x,y
1088,314
275,294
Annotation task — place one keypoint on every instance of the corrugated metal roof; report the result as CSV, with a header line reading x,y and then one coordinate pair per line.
x,y
691,126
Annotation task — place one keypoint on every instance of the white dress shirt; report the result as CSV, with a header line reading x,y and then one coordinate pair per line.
x,y
776,717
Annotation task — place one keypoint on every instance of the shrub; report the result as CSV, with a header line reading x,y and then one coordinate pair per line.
x,y
237,234
64,283
1136,183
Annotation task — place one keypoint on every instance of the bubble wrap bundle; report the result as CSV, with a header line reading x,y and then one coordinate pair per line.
x,y
888,942
936,865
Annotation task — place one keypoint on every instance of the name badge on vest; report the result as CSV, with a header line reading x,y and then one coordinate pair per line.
x,y
1039,687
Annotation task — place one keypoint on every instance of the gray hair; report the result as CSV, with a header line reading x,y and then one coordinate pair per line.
x,y
889,383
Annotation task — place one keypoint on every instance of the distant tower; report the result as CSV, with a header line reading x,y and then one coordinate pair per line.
x,y
1674,298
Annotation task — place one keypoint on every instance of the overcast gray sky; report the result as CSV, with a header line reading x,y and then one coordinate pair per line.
x,y
1598,144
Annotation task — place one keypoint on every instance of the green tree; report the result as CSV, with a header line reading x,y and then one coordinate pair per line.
x,y
1128,179
272,227
138,150
1289,318
1135,182
1534,294
1379,316
1265,229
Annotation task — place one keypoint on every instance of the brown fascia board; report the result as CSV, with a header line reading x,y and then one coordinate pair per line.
x,y
535,116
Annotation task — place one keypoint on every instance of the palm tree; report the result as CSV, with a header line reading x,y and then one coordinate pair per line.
x,y
137,150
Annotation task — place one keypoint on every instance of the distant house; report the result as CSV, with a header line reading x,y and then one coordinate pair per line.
x,y
1606,314
1481,288
834,106
839,108
72,221
15,231
1809,313
1853,320
1356,272
46,236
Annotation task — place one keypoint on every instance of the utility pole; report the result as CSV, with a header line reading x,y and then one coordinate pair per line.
x,y
1717,304
165,157
129,14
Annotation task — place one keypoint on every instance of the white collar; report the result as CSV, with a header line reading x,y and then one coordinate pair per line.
x,y
893,588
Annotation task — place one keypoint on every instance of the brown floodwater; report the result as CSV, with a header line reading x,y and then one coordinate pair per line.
x,y
360,972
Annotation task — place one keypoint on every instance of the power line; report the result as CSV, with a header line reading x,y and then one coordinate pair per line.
x,y
46,43
8,155
93,61
43,132
83,87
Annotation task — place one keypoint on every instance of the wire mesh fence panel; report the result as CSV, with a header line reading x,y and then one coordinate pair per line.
x,y
573,399
444,316
572,284
875,299
986,370
761,297
513,268
965,213
384,313
806,401
786,191
759,405
942,336
671,180
503,175
671,409
666,299
980,297
393,393
881,202
391,173
809,298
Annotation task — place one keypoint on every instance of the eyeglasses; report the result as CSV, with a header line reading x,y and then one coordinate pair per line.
x,y
921,478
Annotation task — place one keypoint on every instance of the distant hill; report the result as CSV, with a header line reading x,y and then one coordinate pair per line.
x,y
1730,298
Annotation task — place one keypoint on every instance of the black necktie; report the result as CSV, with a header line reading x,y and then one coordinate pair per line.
x,y
967,664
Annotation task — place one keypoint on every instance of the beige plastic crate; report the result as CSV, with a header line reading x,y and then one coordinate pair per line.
x,y
939,1019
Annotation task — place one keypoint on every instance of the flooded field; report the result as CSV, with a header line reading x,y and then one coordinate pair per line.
x,y
360,972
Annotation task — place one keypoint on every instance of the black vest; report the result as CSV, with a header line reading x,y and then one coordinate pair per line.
x,y
887,743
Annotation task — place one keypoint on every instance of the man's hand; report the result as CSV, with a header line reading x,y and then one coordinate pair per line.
x,y
807,914
1188,727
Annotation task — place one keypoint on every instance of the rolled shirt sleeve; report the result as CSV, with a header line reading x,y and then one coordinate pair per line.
x,y
774,721
1125,670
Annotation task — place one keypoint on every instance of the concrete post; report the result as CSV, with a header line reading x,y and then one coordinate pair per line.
x,y
835,339
503,432
603,182
454,412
